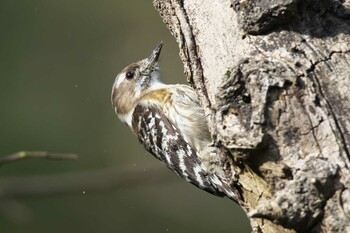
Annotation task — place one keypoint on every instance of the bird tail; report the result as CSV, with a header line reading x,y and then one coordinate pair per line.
x,y
234,193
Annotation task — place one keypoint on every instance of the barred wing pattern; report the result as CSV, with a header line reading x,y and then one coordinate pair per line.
x,y
163,139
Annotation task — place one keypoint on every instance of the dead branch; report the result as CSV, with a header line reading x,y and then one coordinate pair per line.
x,y
18,156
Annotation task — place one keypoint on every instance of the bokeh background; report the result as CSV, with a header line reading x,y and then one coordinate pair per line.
x,y
58,61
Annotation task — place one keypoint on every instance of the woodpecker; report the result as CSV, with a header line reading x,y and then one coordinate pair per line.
x,y
170,122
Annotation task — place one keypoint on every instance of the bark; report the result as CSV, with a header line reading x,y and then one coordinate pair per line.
x,y
274,79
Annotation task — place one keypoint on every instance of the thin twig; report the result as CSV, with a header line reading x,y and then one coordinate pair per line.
x,y
35,154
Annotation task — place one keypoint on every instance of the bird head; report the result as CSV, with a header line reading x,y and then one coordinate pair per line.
x,y
134,80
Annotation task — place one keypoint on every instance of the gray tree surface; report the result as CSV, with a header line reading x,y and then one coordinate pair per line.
x,y
274,79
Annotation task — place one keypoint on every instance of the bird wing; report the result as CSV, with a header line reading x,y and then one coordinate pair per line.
x,y
164,140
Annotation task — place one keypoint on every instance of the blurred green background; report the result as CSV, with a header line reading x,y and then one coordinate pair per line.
x,y
58,61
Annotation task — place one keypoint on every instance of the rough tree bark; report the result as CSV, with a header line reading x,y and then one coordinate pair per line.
x,y
274,79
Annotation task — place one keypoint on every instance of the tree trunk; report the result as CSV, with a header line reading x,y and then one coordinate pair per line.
x,y
274,79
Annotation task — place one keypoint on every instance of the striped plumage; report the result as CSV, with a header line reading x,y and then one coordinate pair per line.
x,y
169,121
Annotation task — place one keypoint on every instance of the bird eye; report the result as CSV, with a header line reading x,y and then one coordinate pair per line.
x,y
130,74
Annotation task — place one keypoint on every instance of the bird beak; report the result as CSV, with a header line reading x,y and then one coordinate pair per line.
x,y
153,58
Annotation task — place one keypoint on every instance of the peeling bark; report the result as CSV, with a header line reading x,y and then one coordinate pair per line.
x,y
274,79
